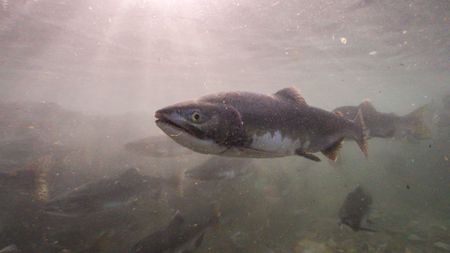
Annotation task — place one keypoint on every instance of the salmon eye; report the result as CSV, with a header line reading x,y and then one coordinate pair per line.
x,y
195,117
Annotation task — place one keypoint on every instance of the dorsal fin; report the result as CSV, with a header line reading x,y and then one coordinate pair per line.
x,y
177,220
332,151
366,106
291,94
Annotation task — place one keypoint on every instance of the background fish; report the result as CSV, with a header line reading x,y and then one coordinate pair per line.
x,y
355,209
182,234
108,193
11,249
245,124
388,125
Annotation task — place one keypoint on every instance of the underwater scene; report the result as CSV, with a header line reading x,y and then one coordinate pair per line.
x,y
225,126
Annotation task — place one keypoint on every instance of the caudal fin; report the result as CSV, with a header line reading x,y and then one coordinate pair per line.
x,y
417,126
361,134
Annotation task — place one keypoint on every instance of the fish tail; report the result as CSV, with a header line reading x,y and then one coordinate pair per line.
x,y
415,120
361,133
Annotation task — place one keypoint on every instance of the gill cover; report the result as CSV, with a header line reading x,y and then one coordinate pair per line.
x,y
219,122
234,134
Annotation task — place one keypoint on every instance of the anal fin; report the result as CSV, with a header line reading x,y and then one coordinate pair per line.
x,y
310,156
332,151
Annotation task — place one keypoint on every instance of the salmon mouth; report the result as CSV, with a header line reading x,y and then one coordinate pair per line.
x,y
164,120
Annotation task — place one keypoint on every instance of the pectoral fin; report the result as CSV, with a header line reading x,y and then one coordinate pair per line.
x,y
312,157
292,95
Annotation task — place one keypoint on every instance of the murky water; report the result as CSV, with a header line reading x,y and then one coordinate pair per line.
x,y
83,167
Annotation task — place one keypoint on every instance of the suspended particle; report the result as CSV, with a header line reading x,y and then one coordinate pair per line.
x,y
343,40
